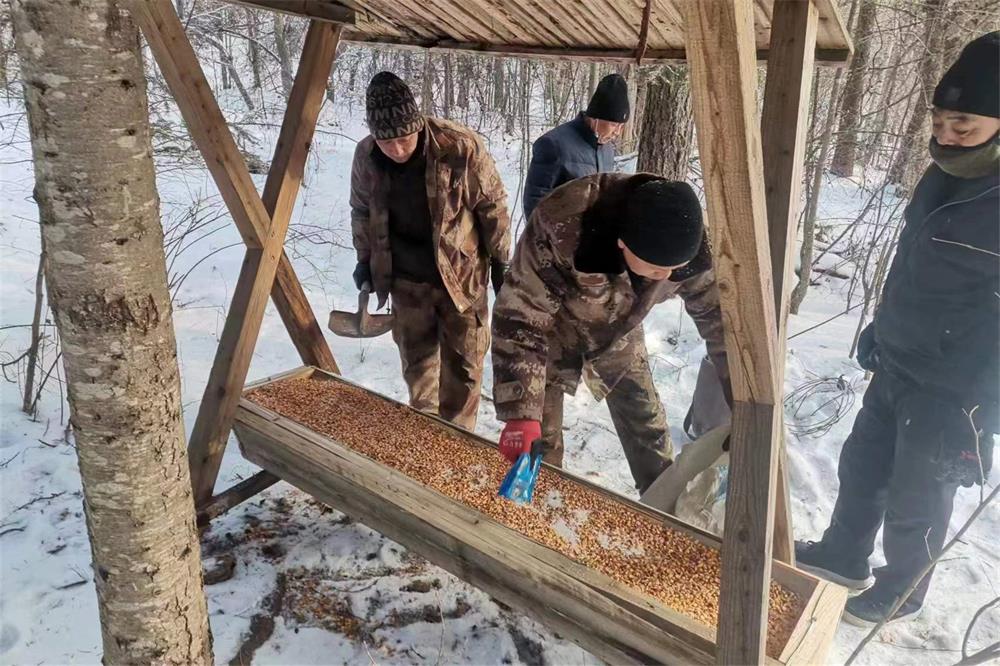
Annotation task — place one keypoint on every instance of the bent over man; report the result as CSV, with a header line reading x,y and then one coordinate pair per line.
x,y
930,412
430,226
596,256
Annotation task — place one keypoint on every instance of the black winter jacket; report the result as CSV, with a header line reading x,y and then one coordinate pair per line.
x,y
938,323
564,153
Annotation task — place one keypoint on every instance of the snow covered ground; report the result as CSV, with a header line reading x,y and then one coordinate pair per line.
x,y
345,594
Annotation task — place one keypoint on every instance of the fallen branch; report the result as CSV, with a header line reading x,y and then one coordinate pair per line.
x,y
991,650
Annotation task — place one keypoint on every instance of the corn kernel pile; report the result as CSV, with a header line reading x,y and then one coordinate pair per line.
x,y
593,529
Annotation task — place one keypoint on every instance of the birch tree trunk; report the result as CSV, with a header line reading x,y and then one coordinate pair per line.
x,y
85,93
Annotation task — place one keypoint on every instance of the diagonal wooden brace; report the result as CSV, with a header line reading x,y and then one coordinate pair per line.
x,y
263,222
784,125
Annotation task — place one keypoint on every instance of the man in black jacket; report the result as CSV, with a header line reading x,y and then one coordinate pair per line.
x,y
931,410
580,147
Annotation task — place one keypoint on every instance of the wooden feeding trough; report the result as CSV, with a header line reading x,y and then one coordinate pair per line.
x,y
286,424
752,171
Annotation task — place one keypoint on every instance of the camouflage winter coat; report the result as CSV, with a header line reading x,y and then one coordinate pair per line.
x,y
551,320
468,207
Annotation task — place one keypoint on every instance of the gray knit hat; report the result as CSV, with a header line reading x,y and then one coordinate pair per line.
x,y
390,108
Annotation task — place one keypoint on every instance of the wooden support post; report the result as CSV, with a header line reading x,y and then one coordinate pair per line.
x,y
262,222
783,130
720,47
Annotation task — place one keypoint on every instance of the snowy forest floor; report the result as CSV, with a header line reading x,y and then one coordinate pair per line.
x,y
310,586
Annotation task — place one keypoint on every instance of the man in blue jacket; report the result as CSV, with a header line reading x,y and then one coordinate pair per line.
x,y
931,410
581,147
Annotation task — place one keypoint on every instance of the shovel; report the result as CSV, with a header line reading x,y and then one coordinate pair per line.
x,y
360,324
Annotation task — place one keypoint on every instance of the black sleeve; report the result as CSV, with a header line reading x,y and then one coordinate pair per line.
x,y
544,173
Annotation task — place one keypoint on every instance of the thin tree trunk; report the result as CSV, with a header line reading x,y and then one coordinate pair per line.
x,y
85,92
230,68
465,73
665,135
28,404
912,147
427,86
449,85
812,203
845,154
252,32
284,58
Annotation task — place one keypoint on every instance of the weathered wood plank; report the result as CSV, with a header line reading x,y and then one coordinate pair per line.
x,y
504,563
720,39
207,126
235,495
811,640
205,122
783,134
748,538
829,57
250,296
723,77
300,453
318,11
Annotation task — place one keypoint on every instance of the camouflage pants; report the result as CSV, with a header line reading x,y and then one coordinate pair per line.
x,y
441,350
639,419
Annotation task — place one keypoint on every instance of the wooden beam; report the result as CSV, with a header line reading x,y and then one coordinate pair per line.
x,y
235,495
263,227
830,57
784,125
612,620
720,39
325,10
186,80
250,296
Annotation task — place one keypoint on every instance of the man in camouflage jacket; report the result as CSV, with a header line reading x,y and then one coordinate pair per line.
x,y
596,256
430,225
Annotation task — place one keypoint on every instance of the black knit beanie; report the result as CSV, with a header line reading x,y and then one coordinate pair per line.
x,y
972,84
391,110
610,100
663,224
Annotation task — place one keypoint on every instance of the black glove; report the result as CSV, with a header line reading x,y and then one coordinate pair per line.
x,y
497,271
867,353
362,273
966,455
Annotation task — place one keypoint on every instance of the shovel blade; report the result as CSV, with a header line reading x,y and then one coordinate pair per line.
x,y
372,326
359,324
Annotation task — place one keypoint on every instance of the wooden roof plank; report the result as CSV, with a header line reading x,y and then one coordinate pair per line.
x,y
613,22
324,11
592,30
583,28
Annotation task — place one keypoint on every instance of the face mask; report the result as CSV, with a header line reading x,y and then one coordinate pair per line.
x,y
967,162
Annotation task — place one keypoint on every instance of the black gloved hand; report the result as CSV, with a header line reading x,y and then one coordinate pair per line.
x,y
362,273
867,353
497,271
966,455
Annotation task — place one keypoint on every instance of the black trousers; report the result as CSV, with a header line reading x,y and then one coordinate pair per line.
x,y
887,475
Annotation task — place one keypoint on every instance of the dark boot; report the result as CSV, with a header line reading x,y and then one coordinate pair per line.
x,y
873,605
825,561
